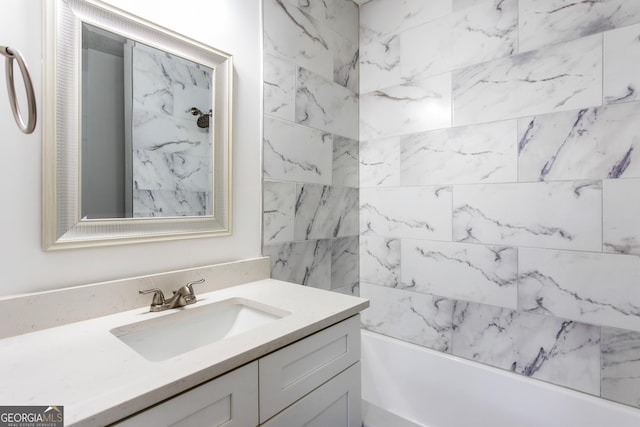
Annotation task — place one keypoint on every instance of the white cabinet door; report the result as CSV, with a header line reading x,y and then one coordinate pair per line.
x,y
334,404
317,380
230,400
290,373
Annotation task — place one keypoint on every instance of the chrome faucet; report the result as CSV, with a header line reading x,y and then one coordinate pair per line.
x,y
183,296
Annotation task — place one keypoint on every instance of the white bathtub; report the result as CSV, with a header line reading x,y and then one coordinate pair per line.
x,y
428,388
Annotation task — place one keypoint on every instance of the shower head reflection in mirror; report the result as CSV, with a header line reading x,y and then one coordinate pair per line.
x,y
203,118
127,163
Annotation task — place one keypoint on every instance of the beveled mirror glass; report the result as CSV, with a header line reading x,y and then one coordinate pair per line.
x,y
137,130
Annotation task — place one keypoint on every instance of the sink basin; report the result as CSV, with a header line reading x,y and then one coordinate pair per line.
x,y
187,329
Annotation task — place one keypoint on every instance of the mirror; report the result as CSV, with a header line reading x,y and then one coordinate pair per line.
x,y
137,130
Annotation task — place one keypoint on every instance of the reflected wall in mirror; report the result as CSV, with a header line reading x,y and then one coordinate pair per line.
x,y
143,151
137,130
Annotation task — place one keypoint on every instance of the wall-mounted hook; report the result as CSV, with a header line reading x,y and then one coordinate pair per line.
x,y
11,54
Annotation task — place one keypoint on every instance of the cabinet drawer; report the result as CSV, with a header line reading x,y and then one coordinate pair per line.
x,y
335,403
292,372
230,400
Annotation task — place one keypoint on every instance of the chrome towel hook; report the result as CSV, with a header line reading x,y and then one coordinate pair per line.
x,y
10,55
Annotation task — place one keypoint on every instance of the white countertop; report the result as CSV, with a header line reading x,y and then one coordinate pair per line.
x,y
99,380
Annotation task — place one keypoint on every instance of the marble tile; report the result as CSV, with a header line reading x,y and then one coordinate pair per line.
x,y
346,63
185,73
340,16
381,17
562,215
380,63
153,87
157,132
191,140
278,216
193,173
471,154
324,211
464,4
621,216
164,134
345,162
409,316
294,35
344,262
279,87
557,78
181,71
170,171
353,290
622,64
412,212
380,261
471,36
296,153
148,203
478,273
331,26
411,107
545,22
555,350
305,263
167,84
593,143
588,287
380,162
621,366
325,105
171,157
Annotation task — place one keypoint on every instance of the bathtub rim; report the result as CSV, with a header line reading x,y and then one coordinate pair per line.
x,y
546,387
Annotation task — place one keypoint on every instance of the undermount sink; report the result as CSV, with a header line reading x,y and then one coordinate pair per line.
x,y
188,329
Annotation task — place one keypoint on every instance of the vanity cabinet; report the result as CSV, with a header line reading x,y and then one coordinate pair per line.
x,y
334,404
312,382
230,400
294,371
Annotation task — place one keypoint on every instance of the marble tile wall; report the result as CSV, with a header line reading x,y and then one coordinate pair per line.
x,y
311,137
171,159
499,182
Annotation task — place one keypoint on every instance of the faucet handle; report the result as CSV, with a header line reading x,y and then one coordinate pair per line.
x,y
190,285
158,296
188,294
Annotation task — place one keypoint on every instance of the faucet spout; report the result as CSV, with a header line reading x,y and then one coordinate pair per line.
x,y
184,295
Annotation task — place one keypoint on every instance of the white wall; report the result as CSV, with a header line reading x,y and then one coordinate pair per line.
x,y
229,25
103,171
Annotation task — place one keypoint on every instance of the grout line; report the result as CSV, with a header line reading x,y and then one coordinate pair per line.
x,y
602,68
602,216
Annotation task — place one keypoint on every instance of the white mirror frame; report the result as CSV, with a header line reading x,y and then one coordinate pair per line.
x,y
62,224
